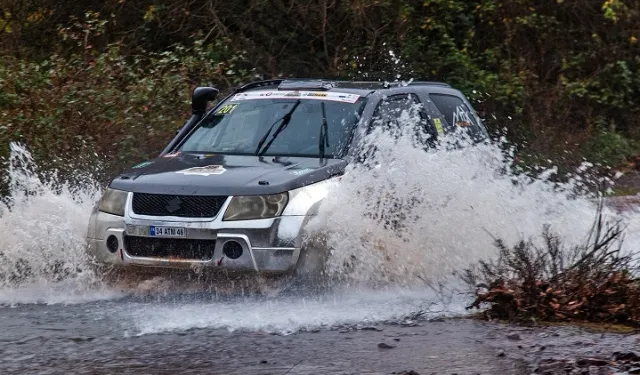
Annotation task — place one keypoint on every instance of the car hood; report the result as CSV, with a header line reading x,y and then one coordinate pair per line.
x,y
197,174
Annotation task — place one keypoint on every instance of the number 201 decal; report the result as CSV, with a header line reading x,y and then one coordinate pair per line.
x,y
225,110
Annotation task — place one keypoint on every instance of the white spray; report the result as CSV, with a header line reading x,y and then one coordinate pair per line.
x,y
42,246
413,219
414,216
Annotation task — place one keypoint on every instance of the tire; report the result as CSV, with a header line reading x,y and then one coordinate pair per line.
x,y
310,271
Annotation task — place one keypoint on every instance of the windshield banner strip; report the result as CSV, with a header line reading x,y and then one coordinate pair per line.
x,y
332,96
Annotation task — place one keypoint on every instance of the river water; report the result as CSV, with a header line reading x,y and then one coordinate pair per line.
x,y
58,315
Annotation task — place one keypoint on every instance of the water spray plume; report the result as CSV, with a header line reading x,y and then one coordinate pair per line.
x,y
411,216
42,247
405,218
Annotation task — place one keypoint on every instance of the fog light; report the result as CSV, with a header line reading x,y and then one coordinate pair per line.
x,y
112,244
232,249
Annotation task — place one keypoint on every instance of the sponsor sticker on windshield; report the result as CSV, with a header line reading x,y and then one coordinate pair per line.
x,y
311,95
438,123
203,171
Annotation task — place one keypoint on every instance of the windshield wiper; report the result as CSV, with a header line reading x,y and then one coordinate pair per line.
x,y
285,121
324,131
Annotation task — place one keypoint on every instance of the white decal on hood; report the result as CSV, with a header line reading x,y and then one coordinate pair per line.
x,y
299,172
204,171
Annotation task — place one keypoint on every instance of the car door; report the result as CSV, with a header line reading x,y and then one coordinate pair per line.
x,y
396,114
404,112
458,114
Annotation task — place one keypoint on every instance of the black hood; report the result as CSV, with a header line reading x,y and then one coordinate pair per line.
x,y
196,174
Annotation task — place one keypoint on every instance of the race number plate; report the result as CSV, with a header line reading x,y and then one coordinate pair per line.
x,y
155,231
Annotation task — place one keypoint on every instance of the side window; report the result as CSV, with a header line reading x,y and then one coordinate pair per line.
x,y
390,110
456,112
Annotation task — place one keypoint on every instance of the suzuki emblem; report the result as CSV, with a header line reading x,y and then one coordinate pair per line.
x,y
174,205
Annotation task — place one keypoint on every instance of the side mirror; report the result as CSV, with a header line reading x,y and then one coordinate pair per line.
x,y
200,97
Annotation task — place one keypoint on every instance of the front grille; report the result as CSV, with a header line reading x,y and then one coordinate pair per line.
x,y
177,205
169,248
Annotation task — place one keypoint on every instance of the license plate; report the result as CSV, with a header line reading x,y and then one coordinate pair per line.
x,y
166,232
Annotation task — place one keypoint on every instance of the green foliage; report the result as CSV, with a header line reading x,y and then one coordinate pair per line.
x,y
610,148
115,76
122,108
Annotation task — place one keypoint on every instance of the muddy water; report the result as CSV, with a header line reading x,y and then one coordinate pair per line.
x,y
104,338
98,338
561,342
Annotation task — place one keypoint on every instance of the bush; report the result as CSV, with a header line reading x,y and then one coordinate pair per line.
x,y
107,106
551,72
610,148
593,282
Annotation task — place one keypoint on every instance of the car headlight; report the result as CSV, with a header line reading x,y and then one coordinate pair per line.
x,y
256,207
113,202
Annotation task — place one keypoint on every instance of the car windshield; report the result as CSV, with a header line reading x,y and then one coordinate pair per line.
x,y
246,124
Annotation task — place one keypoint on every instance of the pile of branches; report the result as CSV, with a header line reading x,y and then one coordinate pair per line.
x,y
593,282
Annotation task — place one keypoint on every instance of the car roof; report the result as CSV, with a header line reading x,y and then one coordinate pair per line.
x,y
362,88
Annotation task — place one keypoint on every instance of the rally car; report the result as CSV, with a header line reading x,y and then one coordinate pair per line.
x,y
237,185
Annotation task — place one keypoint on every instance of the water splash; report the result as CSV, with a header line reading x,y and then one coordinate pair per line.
x,y
385,67
293,314
42,247
411,216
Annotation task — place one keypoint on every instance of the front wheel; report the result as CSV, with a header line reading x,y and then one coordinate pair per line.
x,y
310,273
311,264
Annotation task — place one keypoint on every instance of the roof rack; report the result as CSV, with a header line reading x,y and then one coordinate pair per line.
x,y
256,84
418,83
429,83
306,84
386,84
364,85
326,84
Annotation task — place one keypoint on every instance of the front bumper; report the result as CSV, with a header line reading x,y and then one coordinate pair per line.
x,y
268,245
